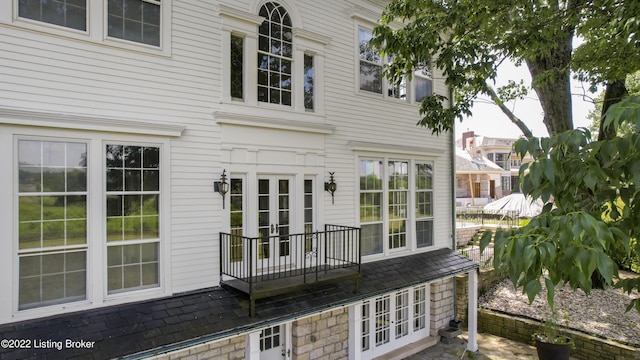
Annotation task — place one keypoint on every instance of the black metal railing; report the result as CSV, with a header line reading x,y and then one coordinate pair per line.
x,y
264,266
484,258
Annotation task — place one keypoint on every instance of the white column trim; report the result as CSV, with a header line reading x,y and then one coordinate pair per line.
x,y
472,344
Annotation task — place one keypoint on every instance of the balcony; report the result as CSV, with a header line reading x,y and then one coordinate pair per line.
x,y
267,266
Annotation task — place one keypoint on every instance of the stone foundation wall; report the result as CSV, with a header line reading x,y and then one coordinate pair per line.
x,y
226,349
322,337
441,304
586,347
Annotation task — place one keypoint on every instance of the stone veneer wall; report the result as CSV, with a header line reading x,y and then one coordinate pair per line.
x,y
441,304
464,235
227,349
322,337
486,279
586,347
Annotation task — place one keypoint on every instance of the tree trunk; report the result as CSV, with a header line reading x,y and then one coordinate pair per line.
x,y
551,81
614,92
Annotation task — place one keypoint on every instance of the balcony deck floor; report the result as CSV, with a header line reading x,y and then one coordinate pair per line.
x,y
275,283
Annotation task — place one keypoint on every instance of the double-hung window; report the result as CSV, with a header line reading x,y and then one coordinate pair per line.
x,y
56,230
133,231
396,204
371,65
52,222
67,13
136,21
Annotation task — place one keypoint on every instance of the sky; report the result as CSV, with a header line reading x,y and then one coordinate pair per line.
x,y
489,120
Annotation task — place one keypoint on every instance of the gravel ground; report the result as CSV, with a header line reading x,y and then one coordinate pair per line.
x,y
601,313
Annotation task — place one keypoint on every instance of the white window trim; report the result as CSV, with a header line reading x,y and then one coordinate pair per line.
x,y
367,20
245,24
355,325
411,240
96,292
96,27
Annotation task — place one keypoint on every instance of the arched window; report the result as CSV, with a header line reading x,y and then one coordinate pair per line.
x,y
275,55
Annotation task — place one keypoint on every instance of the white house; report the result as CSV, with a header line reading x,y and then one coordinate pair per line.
x,y
169,165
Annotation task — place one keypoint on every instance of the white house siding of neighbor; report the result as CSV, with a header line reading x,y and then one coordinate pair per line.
x,y
165,193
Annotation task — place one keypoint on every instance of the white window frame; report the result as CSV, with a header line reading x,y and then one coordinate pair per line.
x,y
359,336
97,24
245,24
411,216
96,290
364,20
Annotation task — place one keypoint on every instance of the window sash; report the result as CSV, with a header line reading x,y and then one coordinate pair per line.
x,y
133,217
52,222
135,20
237,67
71,14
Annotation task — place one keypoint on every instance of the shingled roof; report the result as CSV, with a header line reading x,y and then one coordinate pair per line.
x,y
142,329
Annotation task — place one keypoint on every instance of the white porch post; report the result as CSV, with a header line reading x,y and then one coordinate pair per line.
x,y
472,344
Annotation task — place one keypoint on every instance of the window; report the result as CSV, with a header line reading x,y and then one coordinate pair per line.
x,y
236,223
237,76
419,307
275,52
135,20
502,160
423,83
383,319
366,323
52,222
371,206
68,13
309,74
55,230
396,204
402,313
270,338
398,191
424,204
506,183
133,232
391,320
370,64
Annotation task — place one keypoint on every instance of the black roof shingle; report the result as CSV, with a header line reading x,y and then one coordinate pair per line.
x,y
144,328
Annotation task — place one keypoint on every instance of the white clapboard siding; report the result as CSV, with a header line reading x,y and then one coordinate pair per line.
x,y
41,72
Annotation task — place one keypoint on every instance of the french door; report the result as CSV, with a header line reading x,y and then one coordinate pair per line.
x,y
272,343
274,222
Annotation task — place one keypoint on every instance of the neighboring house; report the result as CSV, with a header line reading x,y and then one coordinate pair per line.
x,y
476,178
500,152
218,178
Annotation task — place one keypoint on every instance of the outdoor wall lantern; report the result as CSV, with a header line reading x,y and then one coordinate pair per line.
x,y
331,186
222,186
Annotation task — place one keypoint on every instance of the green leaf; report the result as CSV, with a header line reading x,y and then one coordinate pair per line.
x,y
532,289
550,292
605,266
485,240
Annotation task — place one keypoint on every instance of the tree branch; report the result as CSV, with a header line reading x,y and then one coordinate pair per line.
x,y
514,119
